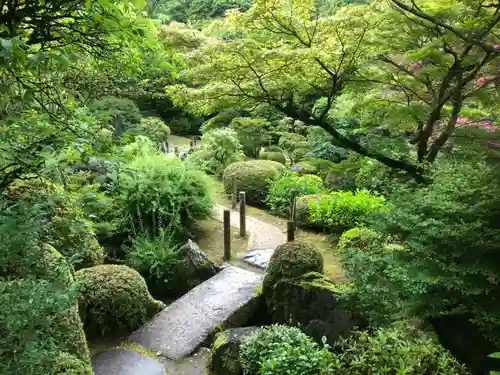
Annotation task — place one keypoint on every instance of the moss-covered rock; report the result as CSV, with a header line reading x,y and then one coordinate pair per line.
x,y
113,299
68,364
291,260
253,177
225,356
304,167
313,301
302,207
361,238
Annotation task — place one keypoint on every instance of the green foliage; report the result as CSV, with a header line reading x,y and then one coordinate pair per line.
x,y
304,168
154,128
154,191
291,260
302,207
273,149
289,141
273,156
252,133
329,151
342,176
113,299
342,210
397,349
155,258
450,230
219,148
322,166
254,177
282,350
292,185
119,113
68,364
298,154
361,238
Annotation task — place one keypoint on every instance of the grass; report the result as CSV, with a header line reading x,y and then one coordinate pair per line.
x,y
325,243
210,238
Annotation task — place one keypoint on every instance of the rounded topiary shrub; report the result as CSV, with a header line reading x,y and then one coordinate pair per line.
x,y
298,154
304,168
361,238
275,156
283,350
253,177
113,299
302,207
273,148
291,260
288,141
304,145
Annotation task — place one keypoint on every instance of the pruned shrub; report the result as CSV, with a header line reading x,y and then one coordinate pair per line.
x,y
283,350
155,191
302,207
362,238
253,177
273,148
292,185
273,156
342,176
289,141
342,210
298,154
113,299
304,167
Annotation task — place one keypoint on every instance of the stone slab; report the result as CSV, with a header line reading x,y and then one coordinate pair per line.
x,y
184,325
258,258
125,362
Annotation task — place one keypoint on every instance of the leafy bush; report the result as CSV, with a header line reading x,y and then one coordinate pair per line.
x,y
342,210
155,258
322,166
252,133
292,259
394,350
292,185
298,154
120,113
154,128
273,156
283,350
66,363
301,145
185,125
451,228
302,207
155,191
342,176
253,177
113,299
273,148
328,151
218,149
304,167
288,141
361,238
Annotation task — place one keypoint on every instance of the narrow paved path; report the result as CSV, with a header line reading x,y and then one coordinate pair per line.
x,y
261,235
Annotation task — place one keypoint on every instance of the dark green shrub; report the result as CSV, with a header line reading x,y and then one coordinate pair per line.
x,y
328,151
155,191
120,113
322,166
290,260
342,210
298,154
113,299
252,133
253,177
273,148
292,185
289,141
342,176
302,207
273,156
394,350
361,238
283,350
304,168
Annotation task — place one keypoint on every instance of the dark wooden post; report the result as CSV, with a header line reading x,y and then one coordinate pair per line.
x,y
227,235
234,197
290,231
293,208
243,203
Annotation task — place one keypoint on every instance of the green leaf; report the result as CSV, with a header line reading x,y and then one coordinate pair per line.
x,y
495,355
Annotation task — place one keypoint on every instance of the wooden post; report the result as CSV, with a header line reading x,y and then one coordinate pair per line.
x,y
290,231
234,194
243,203
293,209
227,235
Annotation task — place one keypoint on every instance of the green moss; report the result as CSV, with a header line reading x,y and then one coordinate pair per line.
x,y
220,340
70,365
258,290
136,348
113,299
315,280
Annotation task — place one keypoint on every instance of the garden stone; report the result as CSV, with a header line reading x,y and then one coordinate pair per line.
x,y
258,258
225,350
125,362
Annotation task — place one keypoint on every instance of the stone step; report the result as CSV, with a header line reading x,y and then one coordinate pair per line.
x,y
230,297
125,362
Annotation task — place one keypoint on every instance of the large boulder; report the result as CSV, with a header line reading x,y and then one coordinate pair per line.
x,y
314,302
113,299
225,358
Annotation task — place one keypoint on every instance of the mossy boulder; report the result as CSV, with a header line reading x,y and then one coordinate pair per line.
x,y
361,238
302,207
273,156
304,167
314,302
225,356
253,177
113,299
290,260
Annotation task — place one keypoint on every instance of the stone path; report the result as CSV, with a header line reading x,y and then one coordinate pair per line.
x,y
263,237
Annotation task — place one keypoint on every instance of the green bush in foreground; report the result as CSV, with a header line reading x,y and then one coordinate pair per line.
x,y
292,185
113,299
361,238
253,177
283,350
